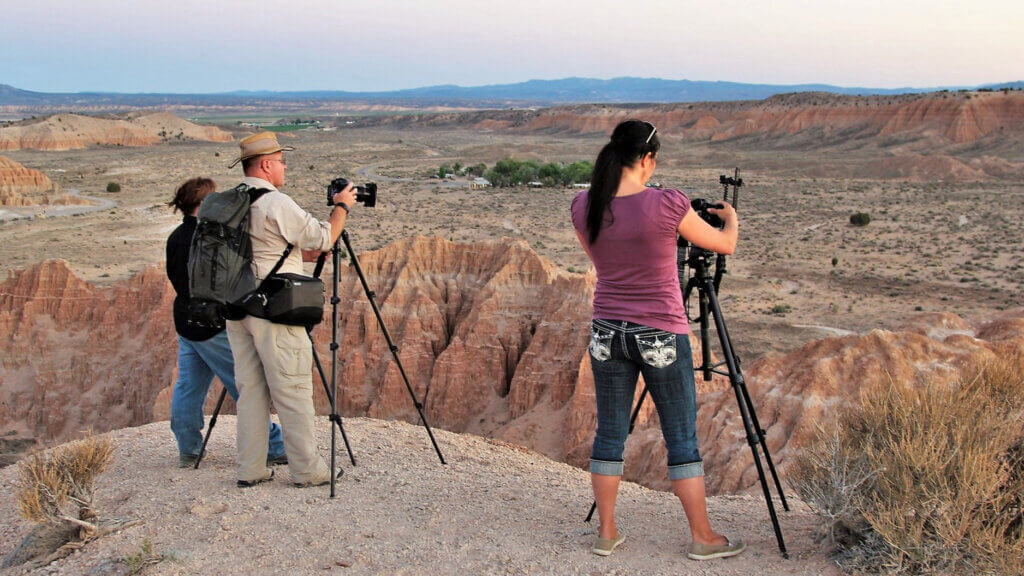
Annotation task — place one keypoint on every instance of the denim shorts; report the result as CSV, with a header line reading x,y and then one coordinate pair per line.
x,y
619,352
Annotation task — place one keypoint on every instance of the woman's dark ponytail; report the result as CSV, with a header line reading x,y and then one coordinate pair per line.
x,y
630,141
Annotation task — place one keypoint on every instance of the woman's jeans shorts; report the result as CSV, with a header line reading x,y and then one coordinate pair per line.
x,y
619,351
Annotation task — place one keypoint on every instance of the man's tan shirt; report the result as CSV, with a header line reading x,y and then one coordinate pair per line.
x,y
276,221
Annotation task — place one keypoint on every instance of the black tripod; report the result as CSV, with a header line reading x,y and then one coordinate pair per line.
x,y
371,296
332,391
707,289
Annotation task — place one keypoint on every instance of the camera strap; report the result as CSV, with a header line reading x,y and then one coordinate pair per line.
x,y
320,264
276,267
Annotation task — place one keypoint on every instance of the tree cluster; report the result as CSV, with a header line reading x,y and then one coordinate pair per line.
x,y
512,172
458,169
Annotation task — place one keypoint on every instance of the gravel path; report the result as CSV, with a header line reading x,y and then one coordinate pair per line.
x,y
494,509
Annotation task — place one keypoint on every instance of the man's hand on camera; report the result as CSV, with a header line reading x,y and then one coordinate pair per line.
x,y
348,196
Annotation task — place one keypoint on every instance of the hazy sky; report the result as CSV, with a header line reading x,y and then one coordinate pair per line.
x,y
221,45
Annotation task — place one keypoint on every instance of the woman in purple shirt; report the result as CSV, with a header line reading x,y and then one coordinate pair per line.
x,y
629,231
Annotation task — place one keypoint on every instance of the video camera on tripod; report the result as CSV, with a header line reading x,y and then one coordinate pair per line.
x,y
701,205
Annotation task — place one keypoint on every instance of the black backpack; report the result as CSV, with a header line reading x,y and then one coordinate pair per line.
x,y
220,273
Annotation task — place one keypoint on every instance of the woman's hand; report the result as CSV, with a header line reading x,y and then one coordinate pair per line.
x,y
695,230
727,213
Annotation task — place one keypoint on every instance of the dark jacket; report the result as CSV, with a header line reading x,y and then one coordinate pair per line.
x,y
178,246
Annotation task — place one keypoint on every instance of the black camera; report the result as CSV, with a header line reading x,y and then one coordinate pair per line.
x,y
700,206
367,193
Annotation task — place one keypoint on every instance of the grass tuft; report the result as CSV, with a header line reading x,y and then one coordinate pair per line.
x,y
924,478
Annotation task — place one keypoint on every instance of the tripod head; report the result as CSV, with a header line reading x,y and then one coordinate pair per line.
x,y
736,182
699,259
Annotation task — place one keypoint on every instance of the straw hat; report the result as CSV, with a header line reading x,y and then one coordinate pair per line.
x,y
258,145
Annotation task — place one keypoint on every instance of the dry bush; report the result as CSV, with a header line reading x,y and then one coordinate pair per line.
x,y
50,488
924,478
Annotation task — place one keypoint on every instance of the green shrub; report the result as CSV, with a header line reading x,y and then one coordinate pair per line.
x,y
113,187
925,477
860,219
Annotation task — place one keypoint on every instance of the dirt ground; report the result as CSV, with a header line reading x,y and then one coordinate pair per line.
x,y
801,271
493,509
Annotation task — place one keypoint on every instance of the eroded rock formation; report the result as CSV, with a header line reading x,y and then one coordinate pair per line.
x,y
944,136
492,336
76,356
69,131
937,117
18,183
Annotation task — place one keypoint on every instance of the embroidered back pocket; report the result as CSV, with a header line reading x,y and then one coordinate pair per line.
x,y
657,350
600,343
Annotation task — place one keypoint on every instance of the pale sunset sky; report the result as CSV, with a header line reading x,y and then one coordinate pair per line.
x,y
199,46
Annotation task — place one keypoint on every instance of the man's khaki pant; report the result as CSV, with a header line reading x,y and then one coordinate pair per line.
x,y
274,362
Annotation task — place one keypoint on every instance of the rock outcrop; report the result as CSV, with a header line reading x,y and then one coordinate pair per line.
x,y
492,336
70,131
18,183
76,356
170,127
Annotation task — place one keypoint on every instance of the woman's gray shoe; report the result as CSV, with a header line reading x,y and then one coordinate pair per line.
x,y
605,546
731,547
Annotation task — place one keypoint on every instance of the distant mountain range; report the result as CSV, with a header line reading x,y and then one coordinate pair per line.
x,y
530,93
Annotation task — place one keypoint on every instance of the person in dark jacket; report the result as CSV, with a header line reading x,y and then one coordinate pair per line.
x,y
202,352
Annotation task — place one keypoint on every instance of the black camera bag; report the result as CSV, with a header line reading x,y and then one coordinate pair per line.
x,y
293,299
289,298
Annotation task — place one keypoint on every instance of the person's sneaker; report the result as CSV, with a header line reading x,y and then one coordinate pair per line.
x,y
731,547
251,483
277,460
187,460
327,480
605,546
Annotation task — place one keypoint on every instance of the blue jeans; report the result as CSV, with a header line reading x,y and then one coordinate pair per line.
x,y
619,352
198,362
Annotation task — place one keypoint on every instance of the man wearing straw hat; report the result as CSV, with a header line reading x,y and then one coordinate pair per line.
x,y
274,361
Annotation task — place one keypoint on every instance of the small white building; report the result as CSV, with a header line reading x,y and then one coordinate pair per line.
x,y
479,182
581,185
535,184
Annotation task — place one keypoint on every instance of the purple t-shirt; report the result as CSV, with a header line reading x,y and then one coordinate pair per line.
x,y
635,257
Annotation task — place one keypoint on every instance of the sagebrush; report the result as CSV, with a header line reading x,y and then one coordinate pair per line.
x,y
58,488
925,477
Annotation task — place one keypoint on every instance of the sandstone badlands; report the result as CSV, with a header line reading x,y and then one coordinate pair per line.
x,y
492,336
19,184
71,131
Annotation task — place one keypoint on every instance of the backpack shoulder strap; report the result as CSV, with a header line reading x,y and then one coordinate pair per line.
x,y
256,193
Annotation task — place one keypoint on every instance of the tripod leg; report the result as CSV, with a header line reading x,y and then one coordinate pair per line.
x,y
745,406
761,435
632,424
209,429
335,418
391,345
